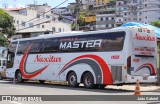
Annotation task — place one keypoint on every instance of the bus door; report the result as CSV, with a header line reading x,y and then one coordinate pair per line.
x,y
11,54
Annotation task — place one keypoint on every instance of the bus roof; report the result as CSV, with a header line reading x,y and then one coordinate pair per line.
x,y
74,33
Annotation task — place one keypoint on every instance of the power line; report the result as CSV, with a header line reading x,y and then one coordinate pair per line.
x,y
45,12
35,25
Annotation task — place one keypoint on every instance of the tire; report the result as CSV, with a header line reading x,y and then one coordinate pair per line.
x,y
1,76
41,81
72,80
88,80
19,77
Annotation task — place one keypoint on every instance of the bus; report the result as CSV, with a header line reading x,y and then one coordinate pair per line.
x,y
95,59
2,68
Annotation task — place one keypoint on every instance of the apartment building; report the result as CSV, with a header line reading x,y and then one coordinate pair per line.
x,y
33,21
105,21
144,11
97,3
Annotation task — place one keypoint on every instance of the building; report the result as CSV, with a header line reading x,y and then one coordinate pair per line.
x,y
90,18
105,21
144,11
97,3
33,21
120,10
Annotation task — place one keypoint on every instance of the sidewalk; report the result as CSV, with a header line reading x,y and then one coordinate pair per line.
x,y
143,87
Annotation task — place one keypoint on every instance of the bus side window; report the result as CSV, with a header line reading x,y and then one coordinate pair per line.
x,y
22,47
51,45
36,46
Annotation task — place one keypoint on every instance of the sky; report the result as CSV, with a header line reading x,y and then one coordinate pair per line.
x,y
24,3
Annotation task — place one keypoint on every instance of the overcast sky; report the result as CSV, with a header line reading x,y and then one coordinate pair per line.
x,y
23,3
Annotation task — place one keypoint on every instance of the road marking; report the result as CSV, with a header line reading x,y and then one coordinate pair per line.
x,y
14,102
19,88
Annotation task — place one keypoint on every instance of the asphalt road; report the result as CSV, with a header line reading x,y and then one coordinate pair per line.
x,y
7,87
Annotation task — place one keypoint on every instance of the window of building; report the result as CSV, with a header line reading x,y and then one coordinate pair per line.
x,y
101,19
42,26
38,26
106,18
38,15
17,21
59,30
53,29
134,1
31,25
23,23
47,16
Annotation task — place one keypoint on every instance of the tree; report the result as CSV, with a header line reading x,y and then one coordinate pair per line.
x,y
6,23
3,41
156,23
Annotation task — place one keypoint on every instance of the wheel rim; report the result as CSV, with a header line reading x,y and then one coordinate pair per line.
x,y
88,81
19,76
72,79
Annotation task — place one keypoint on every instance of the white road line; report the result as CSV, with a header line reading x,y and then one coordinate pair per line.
x,y
14,102
19,88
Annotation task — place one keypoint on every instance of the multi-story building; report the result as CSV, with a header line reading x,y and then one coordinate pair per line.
x,y
105,21
33,21
120,10
144,11
97,3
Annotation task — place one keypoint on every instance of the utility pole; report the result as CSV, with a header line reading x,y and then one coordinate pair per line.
x,y
77,14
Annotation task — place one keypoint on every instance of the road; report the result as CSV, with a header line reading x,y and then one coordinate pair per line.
x,y
7,87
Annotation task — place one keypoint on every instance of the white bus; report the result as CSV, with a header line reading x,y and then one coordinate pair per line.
x,y
2,68
98,58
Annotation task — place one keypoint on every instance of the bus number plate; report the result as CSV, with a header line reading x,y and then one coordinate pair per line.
x,y
145,78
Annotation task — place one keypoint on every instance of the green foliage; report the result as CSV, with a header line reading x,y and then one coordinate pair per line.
x,y
81,20
156,23
6,23
3,41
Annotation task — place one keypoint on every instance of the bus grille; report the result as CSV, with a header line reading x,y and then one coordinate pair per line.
x,y
116,73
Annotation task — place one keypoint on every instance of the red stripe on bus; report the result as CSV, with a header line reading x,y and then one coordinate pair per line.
x,y
150,65
107,77
21,66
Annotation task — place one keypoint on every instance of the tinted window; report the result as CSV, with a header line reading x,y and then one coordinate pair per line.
x,y
22,47
12,47
110,41
50,45
36,46
98,42
72,44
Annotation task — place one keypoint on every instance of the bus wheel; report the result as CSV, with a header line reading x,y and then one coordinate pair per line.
x,y
1,76
72,79
19,77
41,81
88,80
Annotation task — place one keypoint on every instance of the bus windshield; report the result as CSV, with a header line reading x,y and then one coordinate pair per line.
x,y
11,54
